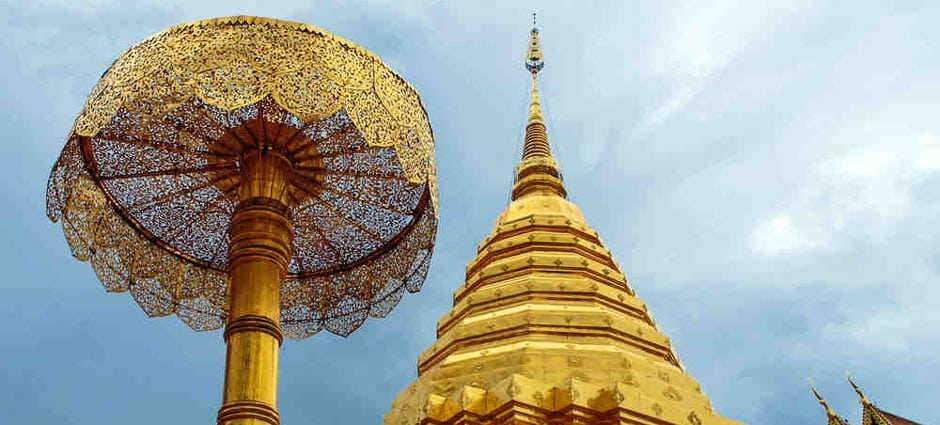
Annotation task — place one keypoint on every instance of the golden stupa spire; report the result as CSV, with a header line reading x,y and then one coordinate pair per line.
x,y
545,327
535,110
534,64
537,171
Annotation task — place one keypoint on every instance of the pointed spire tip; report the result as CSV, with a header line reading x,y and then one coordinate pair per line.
x,y
537,172
533,57
820,399
858,390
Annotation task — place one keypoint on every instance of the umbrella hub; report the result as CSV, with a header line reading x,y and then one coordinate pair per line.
x,y
265,178
278,162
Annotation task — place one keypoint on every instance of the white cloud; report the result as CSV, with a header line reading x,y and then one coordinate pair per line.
x,y
898,330
928,159
699,39
901,320
684,94
853,198
779,235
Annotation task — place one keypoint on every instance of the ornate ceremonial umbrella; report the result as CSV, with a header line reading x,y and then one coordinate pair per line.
x,y
255,173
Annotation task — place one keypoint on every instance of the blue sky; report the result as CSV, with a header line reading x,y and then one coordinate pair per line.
x,y
765,172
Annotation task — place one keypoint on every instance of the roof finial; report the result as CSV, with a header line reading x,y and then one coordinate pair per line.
x,y
822,402
858,390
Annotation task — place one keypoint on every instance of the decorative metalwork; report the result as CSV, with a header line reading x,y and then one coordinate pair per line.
x,y
542,330
148,180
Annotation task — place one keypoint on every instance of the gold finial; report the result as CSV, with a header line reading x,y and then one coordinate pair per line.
x,y
533,63
858,390
533,58
537,172
822,402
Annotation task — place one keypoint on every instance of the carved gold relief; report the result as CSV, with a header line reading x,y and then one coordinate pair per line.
x,y
147,182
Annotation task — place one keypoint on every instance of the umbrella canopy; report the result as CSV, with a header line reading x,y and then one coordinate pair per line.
x,y
150,175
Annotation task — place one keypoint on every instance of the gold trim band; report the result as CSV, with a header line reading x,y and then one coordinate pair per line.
x,y
253,323
245,409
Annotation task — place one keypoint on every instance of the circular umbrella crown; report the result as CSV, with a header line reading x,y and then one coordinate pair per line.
x,y
198,120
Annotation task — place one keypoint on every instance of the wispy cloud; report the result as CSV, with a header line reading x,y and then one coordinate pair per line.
x,y
699,39
858,197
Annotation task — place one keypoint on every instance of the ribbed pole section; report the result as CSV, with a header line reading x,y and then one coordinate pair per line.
x,y
259,254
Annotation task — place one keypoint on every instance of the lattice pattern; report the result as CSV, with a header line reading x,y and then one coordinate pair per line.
x,y
148,180
237,61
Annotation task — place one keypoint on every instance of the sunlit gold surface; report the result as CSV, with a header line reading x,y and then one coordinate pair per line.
x,y
871,414
150,177
831,417
546,328
259,255
255,173
238,61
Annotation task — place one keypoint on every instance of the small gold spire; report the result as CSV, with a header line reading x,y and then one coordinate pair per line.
x,y
535,110
533,63
858,390
533,58
536,137
537,172
822,402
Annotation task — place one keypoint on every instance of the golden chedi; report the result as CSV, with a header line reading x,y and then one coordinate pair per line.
x,y
546,329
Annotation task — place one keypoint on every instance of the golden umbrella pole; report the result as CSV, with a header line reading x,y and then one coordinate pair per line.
x,y
258,257
257,174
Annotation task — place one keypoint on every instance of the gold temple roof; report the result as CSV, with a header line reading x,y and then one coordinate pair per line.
x,y
831,417
546,328
871,414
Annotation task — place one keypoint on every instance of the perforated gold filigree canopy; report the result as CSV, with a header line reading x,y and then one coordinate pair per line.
x,y
148,180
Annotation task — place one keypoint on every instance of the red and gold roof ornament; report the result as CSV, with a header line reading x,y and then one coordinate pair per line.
x,y
831,417
871,414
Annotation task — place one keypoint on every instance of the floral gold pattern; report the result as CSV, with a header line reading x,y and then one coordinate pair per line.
x,y
148,180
